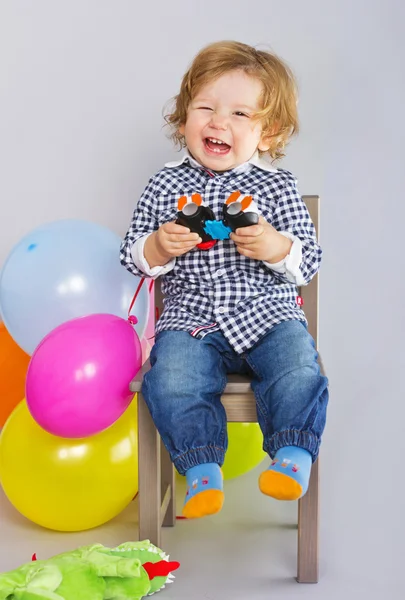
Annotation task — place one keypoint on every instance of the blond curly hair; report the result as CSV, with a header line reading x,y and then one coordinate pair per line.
x,y
278,114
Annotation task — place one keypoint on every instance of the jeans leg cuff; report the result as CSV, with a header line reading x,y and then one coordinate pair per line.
x,y
293,437
199,456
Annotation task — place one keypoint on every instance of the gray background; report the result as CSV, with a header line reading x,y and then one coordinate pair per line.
x,y
82,88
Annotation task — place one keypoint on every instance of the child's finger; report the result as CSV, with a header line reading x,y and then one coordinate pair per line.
x,y
186,244
252,230
243,240
246,251
174,228
184,237
191,238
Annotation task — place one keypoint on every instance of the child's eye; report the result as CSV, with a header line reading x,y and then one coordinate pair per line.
x,y
204,108
238,113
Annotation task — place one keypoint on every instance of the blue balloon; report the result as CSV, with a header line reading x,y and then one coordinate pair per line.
x,y
62,270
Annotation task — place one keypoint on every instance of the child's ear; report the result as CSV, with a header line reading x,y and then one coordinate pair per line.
x,y
264,143
267,137
182,129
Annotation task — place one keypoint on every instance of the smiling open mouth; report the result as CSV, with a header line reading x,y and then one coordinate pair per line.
x,y
216,146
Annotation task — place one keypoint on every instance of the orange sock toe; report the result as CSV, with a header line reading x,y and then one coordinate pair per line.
x,y
204,503
279,486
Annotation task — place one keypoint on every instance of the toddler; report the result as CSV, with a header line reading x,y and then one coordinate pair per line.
x,y
231,304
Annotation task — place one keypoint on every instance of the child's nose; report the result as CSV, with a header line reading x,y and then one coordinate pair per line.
x,y
219,122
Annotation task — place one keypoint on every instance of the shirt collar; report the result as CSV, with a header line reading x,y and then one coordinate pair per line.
x,y
255,161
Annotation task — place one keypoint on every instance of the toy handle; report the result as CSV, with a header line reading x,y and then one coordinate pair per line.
x,y
240,211
194,217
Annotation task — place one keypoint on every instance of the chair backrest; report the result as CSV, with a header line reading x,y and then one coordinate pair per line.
x,y
309,293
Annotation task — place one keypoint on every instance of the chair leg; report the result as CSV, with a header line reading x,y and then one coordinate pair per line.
x,y
168,481
149,472
308,531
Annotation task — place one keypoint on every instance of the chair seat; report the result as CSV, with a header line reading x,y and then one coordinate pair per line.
x,y
236,384
237,397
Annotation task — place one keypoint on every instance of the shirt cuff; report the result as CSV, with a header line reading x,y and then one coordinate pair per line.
x,y
290,265
138,256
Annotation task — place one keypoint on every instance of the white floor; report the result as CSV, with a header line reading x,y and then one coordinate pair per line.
x,y
248,551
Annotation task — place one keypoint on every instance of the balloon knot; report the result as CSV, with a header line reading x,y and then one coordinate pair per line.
x,y
133,320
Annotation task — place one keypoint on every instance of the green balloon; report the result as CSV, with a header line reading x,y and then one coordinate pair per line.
x,y
245,449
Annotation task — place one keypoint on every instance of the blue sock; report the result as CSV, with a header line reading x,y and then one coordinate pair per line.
x,y
205,494
287,478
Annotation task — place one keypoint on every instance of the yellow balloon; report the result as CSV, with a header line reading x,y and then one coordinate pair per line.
x,y
245,450
69,484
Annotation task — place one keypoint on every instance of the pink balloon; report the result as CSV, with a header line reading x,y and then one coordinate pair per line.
x,y
78,377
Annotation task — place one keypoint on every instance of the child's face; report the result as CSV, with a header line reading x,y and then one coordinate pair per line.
x,y
222,112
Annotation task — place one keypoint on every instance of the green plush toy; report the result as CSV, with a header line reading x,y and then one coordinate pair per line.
x,y
130,571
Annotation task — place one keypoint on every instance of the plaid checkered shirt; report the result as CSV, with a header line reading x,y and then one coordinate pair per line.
x,y
219,289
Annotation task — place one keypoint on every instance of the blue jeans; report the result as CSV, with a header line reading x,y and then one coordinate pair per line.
x,y
188,375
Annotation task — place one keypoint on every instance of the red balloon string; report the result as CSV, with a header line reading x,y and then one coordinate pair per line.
x,y
131,318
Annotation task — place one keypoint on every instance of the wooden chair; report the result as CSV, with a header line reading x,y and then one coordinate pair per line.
x,y
157,506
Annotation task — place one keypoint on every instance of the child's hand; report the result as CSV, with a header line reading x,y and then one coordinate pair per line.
x,y
261,242
168,241
175,240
